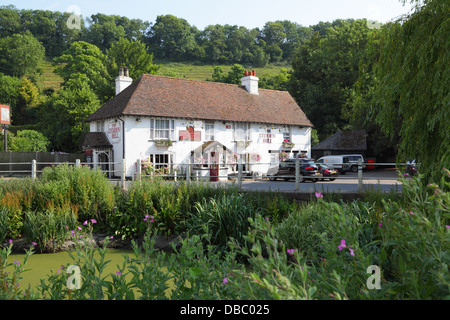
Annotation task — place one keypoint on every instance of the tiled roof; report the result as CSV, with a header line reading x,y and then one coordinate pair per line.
x,y
344,140
159,96
95,140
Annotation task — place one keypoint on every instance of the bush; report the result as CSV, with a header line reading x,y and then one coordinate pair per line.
x,y
223,218
49,228
82,187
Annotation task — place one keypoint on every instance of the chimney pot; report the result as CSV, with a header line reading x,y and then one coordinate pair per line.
x,y
123,80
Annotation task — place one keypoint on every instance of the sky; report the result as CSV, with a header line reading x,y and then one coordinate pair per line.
x,y
248,13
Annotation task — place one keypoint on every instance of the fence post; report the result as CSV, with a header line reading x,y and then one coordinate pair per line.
x,y
188,171
139,171
77,163
297,174
33,169
123,173
175,176
360,183
240,173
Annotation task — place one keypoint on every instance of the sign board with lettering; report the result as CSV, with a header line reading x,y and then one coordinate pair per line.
x,y
114,132
5,114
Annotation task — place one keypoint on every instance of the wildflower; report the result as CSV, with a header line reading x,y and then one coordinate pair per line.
x,y
411,213
93,221
225,281
72,232
85,223
79,228
318,195
351,252
33,244
119,273
342,245
10,241
380,224
112,237
17,262
290,251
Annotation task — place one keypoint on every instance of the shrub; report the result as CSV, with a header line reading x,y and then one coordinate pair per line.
x,y
48,228
88,189
223,218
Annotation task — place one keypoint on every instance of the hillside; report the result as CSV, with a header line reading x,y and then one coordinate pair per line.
x,y
189,70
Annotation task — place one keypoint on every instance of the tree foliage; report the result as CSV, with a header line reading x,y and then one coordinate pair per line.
x,y
133,54
20,55
85,59
325,69
411,96
29,140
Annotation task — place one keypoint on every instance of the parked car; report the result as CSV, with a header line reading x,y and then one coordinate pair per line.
x,y
343,163
327,172
286,170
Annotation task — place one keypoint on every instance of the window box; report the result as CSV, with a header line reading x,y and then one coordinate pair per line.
x,y
163,143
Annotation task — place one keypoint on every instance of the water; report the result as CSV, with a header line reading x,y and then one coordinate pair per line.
x,y
42,264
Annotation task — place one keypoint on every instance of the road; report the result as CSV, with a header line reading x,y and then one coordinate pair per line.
x,y
383,180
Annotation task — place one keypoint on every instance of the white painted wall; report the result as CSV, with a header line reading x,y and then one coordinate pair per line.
x,y
139,146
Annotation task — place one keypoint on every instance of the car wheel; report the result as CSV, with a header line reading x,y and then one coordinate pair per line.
x,y
354,169
332,179
272,178
286,179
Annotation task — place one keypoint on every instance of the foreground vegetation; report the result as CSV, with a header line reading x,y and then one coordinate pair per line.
x,y
230,245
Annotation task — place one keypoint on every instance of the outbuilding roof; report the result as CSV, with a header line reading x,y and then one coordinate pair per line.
x,y
160,96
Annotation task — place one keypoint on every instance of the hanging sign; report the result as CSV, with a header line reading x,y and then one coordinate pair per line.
x,y
5,115
114,132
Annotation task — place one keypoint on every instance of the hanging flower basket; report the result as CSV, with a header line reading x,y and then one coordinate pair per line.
x,y
255,157
288,144
283,156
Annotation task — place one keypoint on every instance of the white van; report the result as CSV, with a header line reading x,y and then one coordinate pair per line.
x,y
343,163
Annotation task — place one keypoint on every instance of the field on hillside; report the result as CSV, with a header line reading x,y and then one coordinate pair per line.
x,y
189,70
200,71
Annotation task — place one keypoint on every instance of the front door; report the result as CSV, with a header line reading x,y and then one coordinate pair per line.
x,y
214,167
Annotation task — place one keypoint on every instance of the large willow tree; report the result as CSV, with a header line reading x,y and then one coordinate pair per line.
x,y
412,86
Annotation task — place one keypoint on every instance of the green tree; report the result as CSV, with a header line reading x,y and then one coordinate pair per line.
x,y
9,21
20,55
325,69
132,54
173,38
103,31
234,76
29,140
412,86
62,115
85,59
278,81
22,96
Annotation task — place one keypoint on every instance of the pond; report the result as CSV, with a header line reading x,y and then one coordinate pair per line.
x,y
40,265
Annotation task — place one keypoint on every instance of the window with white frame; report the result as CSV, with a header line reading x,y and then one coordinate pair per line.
x,y
209,131
100,126
287,134
162,129
241,131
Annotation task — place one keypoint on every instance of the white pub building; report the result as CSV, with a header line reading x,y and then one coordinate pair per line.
x,y
170,122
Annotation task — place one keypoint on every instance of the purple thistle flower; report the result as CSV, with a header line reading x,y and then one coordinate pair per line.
x,y
225,281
